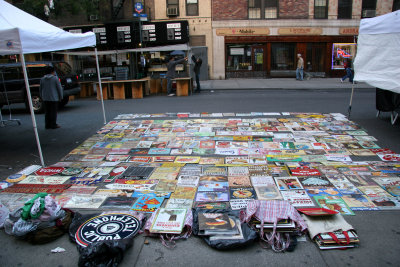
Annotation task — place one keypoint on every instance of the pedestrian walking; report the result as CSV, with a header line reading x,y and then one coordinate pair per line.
x,y
300,67
51,92
197,65
349,72
171,73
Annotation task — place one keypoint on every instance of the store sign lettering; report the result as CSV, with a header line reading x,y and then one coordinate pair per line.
x,y
350,31
300,31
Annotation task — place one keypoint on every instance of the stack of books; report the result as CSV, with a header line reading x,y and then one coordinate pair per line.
x,y
283,226
326,241
219,226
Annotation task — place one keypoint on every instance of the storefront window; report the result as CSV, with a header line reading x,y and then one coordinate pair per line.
x,y
238,58
283,56
342,53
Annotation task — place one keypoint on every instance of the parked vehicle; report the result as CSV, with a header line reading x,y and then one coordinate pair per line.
x,y
12,83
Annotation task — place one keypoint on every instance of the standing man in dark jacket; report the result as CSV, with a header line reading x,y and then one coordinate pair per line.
x,y
197,66
51,93
171,72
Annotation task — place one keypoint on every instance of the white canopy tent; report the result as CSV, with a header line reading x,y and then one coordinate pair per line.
x,y
378,53
377,61
22,33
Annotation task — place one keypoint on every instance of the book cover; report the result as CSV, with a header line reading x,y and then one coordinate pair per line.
x,y
298,198
184,192
214,170
118,203
147,204
238,171
333,203
212,196
159,151
85,202
262,180
359,202
40,179
181,151
212,205
288,183
386,203
211,161
242,193
166,185
214,221
162,159
188,180
116,157
237,160
169,220
179,203
267,192
187,160
239,181
214,178
212,186
238,204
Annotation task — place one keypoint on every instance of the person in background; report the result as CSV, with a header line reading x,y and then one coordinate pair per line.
x,y
171,72
51,92
349,72
300,67
197,66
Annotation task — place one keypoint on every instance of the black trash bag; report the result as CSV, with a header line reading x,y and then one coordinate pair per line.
x,y
104,253
249,235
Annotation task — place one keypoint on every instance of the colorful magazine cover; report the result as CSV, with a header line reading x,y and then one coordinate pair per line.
x,y
147,204
333,203
242,193
288,183
359,202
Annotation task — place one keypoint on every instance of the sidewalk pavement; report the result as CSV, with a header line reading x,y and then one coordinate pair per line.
x,y
280,83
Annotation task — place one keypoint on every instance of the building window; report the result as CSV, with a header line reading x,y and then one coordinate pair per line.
x,y
263,9
192,7
197,40
396,5
344,9
238,57
368,9
320,9
283,56
172,7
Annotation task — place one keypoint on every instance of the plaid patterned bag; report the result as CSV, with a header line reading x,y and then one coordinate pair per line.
x,y
272,211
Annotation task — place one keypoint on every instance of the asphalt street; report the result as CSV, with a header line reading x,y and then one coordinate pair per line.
x,y
379,231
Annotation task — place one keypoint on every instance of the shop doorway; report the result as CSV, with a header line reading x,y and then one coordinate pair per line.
x,y
315,57
258,58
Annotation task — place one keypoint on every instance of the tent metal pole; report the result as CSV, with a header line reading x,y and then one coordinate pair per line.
x,y
351,100
28,93
100,87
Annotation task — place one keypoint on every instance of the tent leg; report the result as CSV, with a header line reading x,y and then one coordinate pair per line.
x,y
28,93
100,87
351,100
393,117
